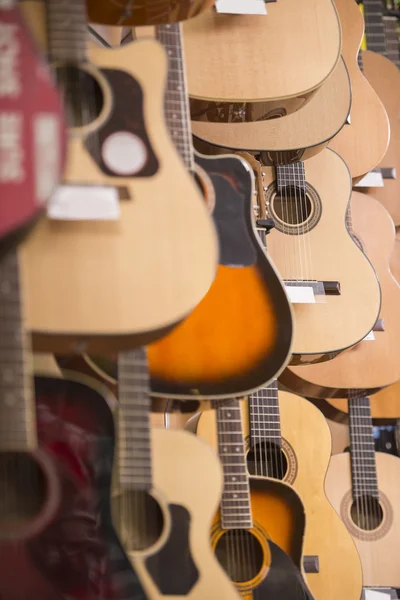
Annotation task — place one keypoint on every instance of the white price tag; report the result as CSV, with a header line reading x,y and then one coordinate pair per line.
x,y
241,7
300,294
370,337
371,179
84,203
373,595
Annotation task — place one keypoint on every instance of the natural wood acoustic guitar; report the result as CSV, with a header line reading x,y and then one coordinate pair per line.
x,y
98,283
312,247
395,258
276,427
257,534
373,363
167,486
363,143
384,76
362,487
241,58
293,137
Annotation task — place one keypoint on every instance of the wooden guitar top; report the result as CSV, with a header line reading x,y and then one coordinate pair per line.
x,y
384,77
253,57
370,364
363,143
310,128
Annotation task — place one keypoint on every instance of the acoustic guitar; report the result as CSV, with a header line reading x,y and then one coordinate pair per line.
x,y
167,485
118,269
56,456
312,247
146,12
258,531
32,132
363,143
395,258
373,363
297,136
384,76
276,429
241,58
362,487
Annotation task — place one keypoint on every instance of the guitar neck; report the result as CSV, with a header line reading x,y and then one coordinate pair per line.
x,y
292,175
17,407
374,26
67,31
176,98
265,422
392,40
134,449
235,503
362,449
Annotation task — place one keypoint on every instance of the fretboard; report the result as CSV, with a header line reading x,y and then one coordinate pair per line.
x,y
374,27
134,447
265,422
176,98
235,504
392,40
362,448
17,407
291,176
66,30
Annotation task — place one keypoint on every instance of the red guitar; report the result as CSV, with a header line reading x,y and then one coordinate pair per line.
x,y
32,139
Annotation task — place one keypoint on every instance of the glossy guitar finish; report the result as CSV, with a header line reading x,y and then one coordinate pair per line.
x,y
77,554
363,143
221,350
311,242
119,270
372,363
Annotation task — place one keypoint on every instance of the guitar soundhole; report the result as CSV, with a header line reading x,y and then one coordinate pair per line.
x,y
22,492
241,555
292,206
139,519
81,93
366,513
267,459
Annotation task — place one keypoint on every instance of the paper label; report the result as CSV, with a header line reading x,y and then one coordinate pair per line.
x,y
84,203
374,595
300,294
241,7
370,337
371,179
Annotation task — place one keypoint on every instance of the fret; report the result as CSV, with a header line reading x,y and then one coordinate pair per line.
x,y
176,98
362,448
374,26
291,175
392,40
134,447
66,30
235,502
264,414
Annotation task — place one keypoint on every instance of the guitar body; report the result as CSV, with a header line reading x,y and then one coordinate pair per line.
x,y
242,57
181,561
33,149
77,553
395,258
370,364
119,270
385,404
378,548
148,12
364,142
296,136
318,246
220,350
384,77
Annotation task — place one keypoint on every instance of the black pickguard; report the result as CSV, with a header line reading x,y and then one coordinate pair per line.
x,y
172,568
127,115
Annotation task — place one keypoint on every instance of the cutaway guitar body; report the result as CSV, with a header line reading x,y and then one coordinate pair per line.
x,y
76,554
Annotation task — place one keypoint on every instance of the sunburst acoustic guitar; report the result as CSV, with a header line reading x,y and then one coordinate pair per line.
x,y
164,516
362,487
257,66
276,427
293,137
363,143
313,248
117,268
384,76
373,363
